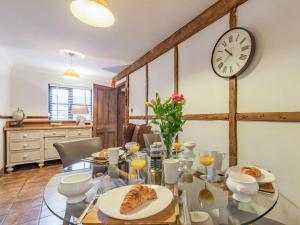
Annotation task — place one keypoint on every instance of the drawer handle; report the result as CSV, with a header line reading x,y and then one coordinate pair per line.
x,y
25,135
25,145
79,133
25,156
54,133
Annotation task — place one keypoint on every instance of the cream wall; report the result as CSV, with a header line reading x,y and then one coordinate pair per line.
x,y
137,95
29,88
5,67
270,84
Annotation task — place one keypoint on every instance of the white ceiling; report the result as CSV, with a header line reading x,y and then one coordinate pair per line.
x,y
33,31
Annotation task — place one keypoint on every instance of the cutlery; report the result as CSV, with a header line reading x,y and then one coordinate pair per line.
x,y
90,206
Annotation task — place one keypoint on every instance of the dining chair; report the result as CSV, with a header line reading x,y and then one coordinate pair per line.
x,y
71,152
150,139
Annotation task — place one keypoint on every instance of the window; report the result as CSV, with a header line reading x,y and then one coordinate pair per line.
x,y
62,98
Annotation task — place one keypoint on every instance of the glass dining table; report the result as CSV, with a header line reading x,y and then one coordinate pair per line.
x,y
192,195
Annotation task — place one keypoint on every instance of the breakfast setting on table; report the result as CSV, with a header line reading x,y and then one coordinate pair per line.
x,y
165,182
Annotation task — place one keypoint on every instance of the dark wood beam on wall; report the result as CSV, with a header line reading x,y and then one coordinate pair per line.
x,y
209,16
269,116
127,100
176,70
147,93
217,116
233,104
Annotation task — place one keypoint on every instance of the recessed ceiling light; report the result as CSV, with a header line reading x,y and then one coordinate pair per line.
x,y
95,13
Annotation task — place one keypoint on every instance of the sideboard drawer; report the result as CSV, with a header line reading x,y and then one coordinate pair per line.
x,y
24,145
80,133
55,133
50,151
17,157
24,135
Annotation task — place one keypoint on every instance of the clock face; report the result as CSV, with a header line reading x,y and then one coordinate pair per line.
x,y
233,52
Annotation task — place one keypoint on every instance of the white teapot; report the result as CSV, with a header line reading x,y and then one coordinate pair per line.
x,y
242,185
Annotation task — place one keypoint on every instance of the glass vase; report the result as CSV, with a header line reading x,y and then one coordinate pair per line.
x,y
168,141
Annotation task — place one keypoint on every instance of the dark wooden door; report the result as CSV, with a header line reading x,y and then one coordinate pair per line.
x,y
121,112
105,115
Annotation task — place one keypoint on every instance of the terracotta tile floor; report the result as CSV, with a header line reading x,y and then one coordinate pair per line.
x,y
21,196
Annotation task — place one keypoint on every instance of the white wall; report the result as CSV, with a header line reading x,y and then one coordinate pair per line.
x,y
270,84
29,88
137,94
5,68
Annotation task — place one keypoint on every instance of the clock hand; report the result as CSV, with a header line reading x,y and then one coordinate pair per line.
x,y
228,52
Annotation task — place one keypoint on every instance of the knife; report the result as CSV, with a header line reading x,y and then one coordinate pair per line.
x,y
89,207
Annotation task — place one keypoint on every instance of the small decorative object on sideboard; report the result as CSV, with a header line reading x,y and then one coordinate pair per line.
x,y
81,112
168,116
18,116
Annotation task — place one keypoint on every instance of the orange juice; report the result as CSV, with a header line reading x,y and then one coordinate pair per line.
x,y
134,148
206,160
177,146
138,164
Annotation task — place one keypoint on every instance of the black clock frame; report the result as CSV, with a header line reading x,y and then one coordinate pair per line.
x,y
251,56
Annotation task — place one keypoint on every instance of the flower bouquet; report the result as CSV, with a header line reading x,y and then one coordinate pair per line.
x,y
168,116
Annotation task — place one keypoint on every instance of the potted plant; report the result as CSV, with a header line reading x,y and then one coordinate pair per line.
x,y
168,116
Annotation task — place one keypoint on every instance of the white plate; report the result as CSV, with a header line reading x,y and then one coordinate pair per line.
x,y
265,177
96,154
110,202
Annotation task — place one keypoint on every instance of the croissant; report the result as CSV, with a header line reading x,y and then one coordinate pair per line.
x,y
136,196
252,171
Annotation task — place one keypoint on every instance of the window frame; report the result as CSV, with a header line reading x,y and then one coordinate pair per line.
x,y
70,89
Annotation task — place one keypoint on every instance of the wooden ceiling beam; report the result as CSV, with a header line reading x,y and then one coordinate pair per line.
x,y
209,16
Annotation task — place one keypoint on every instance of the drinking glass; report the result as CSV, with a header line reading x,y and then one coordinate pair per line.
x,y
177,147
138,163
134,148
206,159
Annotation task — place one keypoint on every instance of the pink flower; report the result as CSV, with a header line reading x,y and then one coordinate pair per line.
x,y
152,101
178,98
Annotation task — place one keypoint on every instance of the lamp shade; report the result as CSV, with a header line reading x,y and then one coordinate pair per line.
x,y
93,12
71,74
79,110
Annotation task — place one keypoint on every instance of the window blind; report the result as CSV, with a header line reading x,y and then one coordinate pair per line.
x,y
62,98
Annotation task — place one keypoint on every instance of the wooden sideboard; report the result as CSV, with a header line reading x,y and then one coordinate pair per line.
x,y
35,144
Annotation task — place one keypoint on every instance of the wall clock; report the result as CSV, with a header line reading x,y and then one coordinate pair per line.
x,y
233,52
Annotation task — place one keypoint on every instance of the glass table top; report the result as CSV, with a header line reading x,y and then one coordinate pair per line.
x,y
194,194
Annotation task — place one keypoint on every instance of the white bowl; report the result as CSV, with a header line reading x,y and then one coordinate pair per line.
x,y
190,145
242,185
75,186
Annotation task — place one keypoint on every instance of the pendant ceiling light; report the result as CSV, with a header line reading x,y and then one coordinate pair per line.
x,y
71,73
95,13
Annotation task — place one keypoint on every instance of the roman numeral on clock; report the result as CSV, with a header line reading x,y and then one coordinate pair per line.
x,y
237,38
230,38
245,48
219,59
231,70
224,69
242,41
220,65
224,44
243,57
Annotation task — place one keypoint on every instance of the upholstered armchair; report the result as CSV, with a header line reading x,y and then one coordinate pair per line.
x,y
135,133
